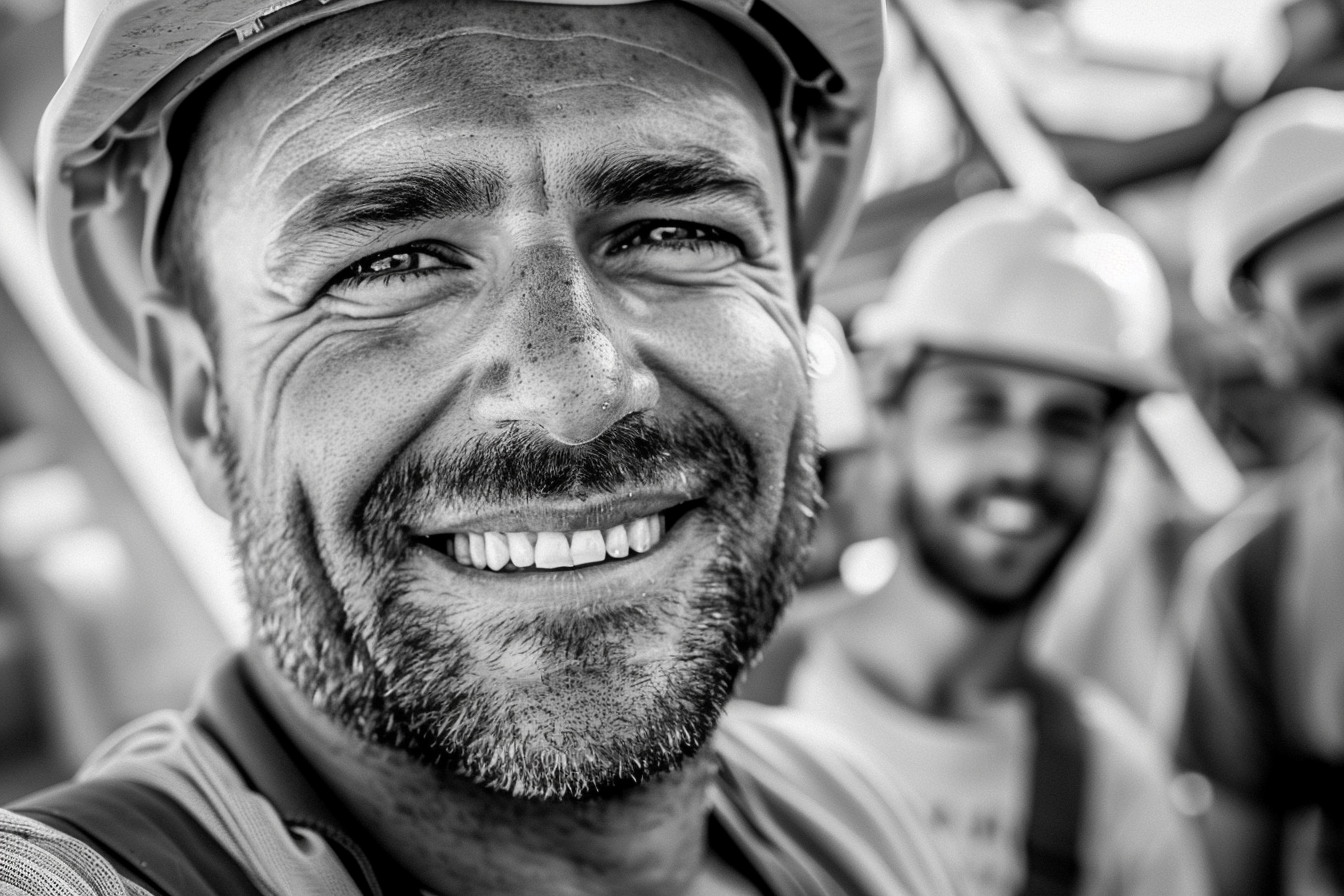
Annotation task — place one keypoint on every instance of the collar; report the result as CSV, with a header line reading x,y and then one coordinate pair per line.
x,y
230,711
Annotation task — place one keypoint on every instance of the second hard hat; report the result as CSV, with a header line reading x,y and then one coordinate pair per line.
x,y
1060,285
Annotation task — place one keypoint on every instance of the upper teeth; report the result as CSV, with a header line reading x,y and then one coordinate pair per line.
x,y
1011,516
554,550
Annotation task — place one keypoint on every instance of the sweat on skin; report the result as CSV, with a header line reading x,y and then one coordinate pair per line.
x,y
636,336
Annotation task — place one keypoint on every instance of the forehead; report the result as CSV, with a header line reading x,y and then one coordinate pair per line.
x,y
468,72
942,373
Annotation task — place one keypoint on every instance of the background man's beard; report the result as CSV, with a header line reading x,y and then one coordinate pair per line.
x,y
401,678
945,564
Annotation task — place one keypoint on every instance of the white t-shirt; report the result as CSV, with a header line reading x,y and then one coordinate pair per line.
x,y
975,778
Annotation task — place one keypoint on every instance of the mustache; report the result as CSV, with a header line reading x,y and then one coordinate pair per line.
x,y
521,464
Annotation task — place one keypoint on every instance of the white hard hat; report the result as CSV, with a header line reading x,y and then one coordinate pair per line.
x,y
104,170
1282,166
1061,285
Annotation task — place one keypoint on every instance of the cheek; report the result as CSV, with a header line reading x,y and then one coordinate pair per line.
x,y
939,470
352,404
739,360
1080,476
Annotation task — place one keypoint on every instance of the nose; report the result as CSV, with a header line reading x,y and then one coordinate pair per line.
x,y
557,362
1021,454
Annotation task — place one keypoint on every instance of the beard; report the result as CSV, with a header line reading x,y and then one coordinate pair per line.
x,y
947,563
426,682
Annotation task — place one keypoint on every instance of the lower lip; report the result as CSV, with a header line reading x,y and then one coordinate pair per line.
x,y
607,580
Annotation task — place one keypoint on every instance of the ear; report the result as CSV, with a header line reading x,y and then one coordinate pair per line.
x,y
176,362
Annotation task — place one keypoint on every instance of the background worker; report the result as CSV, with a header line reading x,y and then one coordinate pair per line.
x,y
1265,711
483,323
1004,361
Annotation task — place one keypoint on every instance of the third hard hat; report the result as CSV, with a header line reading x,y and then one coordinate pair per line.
x,y
1282,166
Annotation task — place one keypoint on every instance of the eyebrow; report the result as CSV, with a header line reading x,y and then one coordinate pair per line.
x,y
684,174
356,203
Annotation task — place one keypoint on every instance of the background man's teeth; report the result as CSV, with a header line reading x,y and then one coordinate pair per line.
x,y
1010,515
587,546
462,548
639,535
496,550
477,545
655,529
552,551
520,549
618,545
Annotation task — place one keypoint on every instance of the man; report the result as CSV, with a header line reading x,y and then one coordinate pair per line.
x,y
1265,712
482,321
1005,360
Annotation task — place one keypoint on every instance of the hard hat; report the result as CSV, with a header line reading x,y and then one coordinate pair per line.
x,y
1282,166
1057,284
104,171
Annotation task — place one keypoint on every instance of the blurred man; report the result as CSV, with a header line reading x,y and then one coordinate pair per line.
x,y
1265,714
483,322
1005,361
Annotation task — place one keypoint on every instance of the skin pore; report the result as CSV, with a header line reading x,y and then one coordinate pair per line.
x,y
483,267
1001,467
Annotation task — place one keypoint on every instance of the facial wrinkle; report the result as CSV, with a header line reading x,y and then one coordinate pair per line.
x,y
297,134
590,35
312,92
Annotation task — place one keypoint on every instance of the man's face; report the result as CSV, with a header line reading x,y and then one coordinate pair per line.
x,y
1001,466
511,366
1301,278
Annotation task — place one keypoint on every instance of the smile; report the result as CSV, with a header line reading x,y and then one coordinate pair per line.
x,y
498,551
1011,517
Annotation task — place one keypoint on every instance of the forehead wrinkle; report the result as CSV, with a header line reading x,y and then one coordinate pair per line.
x,y
311,91
593,35
331,147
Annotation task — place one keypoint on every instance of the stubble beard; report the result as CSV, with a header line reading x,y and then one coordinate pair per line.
x,y
947,564
411,679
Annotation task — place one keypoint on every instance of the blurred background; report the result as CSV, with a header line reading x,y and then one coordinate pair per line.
x,y
117,587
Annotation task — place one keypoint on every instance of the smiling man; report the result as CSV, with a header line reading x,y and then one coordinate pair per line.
x,y
482,321
1005,360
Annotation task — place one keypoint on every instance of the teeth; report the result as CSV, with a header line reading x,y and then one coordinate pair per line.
x,y
618,545
640,540
1011,516
496,550
554,550
587,546
520,548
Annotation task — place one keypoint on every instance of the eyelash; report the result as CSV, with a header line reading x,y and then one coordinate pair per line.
x,y
701,233
352,274
698,234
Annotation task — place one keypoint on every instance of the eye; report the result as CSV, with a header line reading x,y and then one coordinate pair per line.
x,y
978,409
395,264
1073,424
674,236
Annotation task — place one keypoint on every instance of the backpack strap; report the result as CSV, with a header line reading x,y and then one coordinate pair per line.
x,y
1058,777
144,834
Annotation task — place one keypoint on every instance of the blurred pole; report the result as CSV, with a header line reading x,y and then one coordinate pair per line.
x,y
124,416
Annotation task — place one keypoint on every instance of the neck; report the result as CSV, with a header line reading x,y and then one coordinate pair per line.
x,y
928,650
456,836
